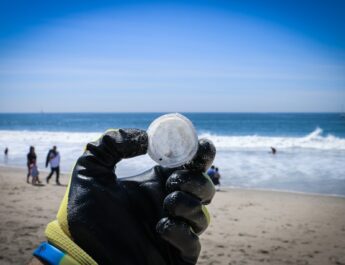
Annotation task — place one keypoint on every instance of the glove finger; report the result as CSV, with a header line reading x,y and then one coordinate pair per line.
x,y
101,156
183,205
204,156
126,143
201,161
179,234
197,184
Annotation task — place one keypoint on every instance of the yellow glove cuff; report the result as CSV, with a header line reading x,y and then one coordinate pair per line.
x,y
59,235
58,238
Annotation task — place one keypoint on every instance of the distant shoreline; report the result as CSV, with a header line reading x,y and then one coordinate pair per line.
x,y
224,188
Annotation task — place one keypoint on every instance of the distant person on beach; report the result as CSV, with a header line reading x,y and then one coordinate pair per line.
x,y
211,172
6,154
34,173
31,159
216,179
53,158
154,218
273,150
214,175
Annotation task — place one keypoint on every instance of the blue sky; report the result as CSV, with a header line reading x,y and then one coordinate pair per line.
x,y
128,56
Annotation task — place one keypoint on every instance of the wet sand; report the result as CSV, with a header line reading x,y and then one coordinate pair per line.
x,y
248,226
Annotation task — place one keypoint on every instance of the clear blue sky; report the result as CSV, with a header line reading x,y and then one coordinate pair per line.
x,y
111,56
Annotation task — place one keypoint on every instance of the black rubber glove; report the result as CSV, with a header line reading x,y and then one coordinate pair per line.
x,y
153,218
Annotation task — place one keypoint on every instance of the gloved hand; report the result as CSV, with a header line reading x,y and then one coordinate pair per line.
x,y
153,218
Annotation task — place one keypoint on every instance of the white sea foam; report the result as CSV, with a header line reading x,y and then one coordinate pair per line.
x,y
70,145
314,140
312,163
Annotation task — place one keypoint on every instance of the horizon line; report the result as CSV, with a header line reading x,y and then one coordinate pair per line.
x,y
191,112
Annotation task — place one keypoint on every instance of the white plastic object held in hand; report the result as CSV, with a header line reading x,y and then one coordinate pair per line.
x,y
172,140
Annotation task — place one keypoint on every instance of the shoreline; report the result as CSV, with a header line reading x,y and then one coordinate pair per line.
x,y
226,188
247,226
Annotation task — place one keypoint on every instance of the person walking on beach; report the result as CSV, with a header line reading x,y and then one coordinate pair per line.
x,y
31,159
53,158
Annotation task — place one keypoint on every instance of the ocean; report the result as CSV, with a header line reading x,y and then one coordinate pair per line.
x,y
310,147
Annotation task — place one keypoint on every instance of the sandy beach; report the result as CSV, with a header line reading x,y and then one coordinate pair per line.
x,y
248,226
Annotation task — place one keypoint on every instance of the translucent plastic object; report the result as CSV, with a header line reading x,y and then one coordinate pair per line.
x,y
172,140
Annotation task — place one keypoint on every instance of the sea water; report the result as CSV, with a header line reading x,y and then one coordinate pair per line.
x,y
310,147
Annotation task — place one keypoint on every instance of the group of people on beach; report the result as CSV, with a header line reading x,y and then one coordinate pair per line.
x,y
53,158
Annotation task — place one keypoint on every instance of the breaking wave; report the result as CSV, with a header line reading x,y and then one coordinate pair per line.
x,y
313,140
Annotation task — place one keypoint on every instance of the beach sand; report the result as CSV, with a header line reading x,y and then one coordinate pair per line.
x,y
248,226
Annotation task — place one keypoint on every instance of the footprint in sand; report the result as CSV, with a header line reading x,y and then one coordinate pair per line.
x,y
247,235
11,224
333,259
263,251
275,248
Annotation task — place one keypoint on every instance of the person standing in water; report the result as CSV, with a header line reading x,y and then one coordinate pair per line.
x,y
6,154
53,158
273,150
31,159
